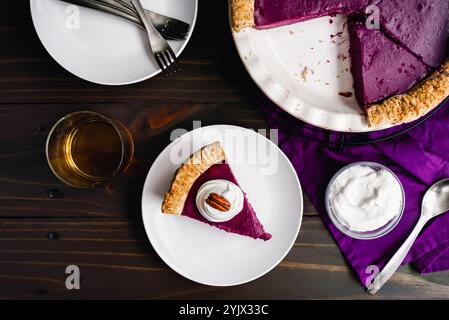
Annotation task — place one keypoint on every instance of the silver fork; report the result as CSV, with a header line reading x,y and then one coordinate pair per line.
x,y
164,55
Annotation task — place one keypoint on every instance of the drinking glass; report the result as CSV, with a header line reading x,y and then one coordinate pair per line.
x,y
86,149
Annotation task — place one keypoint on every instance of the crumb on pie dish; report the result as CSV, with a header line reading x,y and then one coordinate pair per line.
x,y
400,71
205,189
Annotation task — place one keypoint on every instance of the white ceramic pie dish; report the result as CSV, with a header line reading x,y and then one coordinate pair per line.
x,y
305,68
105,49
211,256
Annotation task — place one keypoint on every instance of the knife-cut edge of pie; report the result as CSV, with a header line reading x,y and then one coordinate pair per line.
x,y
185,176
417,102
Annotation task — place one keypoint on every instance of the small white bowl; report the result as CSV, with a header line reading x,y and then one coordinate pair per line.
x,y
369,235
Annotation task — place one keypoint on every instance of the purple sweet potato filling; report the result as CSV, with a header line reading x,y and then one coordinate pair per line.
x,y
245,223
422,26
273,13
373,57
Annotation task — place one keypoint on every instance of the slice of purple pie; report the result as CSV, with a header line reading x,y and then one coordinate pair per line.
x,y
205,189
381,68
422,26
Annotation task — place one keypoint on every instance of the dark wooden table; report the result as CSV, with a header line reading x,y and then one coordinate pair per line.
x,y
101,230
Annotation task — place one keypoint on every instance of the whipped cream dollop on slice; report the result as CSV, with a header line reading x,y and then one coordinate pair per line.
x,y
226,189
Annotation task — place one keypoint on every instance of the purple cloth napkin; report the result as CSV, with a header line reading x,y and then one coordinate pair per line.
x,y
419,158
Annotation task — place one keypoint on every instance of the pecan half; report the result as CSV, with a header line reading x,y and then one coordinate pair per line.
x,y
218,202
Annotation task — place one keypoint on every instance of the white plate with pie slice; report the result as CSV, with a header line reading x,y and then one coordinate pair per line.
x,y
211,256
305,68
100,47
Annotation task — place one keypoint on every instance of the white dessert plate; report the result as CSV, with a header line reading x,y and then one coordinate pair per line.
x,y
100,47
305,68
209,255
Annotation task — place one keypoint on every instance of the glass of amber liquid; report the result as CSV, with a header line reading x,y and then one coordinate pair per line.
x,y
86,149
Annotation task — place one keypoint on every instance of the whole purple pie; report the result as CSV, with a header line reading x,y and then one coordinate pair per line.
x,y
398,70
208,165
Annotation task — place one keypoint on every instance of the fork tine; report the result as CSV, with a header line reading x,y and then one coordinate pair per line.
x,y
168,62
176,67
174,63
159,61
173,57
170,70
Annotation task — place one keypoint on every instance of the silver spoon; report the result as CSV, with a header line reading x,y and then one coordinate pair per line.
x,y
435,202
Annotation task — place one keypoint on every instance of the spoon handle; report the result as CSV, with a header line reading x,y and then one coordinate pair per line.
x,y
395,262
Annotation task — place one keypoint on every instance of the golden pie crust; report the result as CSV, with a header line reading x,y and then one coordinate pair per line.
x,y
186,175
418,101
242,14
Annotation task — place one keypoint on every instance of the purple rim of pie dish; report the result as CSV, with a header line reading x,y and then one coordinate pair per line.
x,y
369,235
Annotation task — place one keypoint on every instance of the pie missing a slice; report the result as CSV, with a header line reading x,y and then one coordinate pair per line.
x,y
205,189
399,72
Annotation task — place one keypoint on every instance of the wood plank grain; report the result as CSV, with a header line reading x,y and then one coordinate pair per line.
x,y
117,261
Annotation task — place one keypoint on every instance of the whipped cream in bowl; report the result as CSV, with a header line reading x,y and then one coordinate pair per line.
x,y
226,189
365,200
